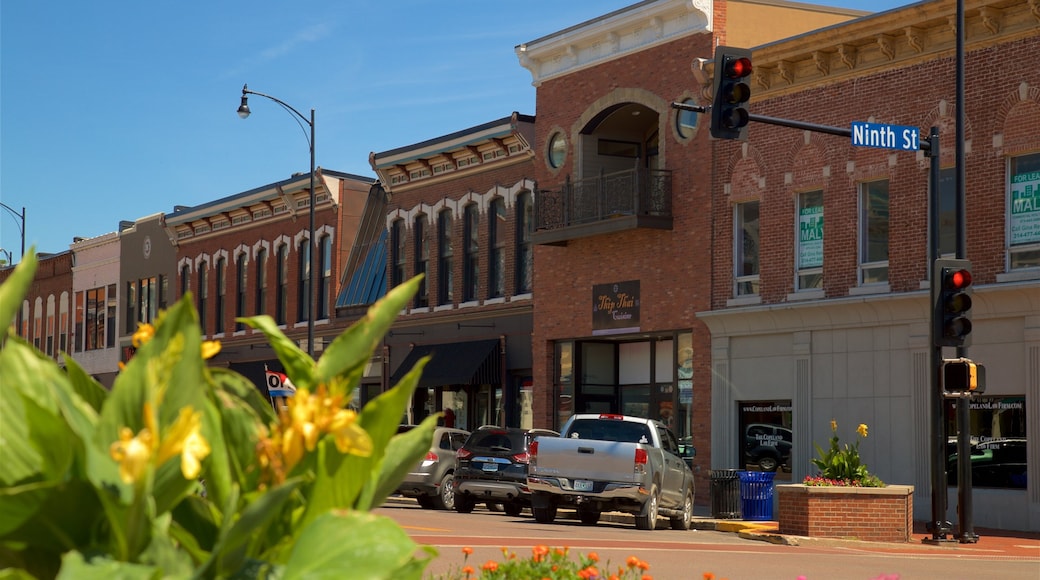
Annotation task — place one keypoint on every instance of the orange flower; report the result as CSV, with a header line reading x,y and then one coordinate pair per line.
x,y
647,577
467,550
632,561
709,576
468,571
590,572
539,553
593,556
490,566
643,565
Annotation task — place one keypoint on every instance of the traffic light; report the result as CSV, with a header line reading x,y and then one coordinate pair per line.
x,y
951,303
961,375
729,109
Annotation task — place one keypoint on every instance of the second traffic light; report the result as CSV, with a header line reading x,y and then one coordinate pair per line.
x,y
951,303
729,108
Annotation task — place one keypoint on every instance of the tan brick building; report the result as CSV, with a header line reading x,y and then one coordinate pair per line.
x,y
810,324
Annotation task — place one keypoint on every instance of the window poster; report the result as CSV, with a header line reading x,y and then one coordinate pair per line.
x,y
766,437
998,442
1025,208
810,236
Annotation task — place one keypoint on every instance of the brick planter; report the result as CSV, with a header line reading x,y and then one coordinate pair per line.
x,y
878,514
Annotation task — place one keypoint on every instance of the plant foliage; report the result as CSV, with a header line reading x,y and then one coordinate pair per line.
x,y
186,471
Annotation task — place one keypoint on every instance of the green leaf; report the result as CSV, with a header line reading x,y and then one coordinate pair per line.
x,y
356,545
91,391
353,349
402,453
380,418
74,567
15,288
252,522
298,366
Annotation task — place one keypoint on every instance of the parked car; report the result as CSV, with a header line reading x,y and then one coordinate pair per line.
x,y
492,467
430,482
609,462
768,446
994,463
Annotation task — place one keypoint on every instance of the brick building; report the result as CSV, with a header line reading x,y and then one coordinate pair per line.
x,y
249,254
810,324
45,318
623,222
147,275
460,212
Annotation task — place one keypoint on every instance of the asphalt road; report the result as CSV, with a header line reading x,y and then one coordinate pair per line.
x,y
677,555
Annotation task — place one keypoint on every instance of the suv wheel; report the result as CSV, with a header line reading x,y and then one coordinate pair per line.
x,y
464,504
425,502
445,498
513,508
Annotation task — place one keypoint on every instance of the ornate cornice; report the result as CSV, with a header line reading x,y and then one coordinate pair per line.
x,y
613,35
901,37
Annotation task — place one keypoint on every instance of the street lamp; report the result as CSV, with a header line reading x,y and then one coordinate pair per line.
x,y
21,227
243,111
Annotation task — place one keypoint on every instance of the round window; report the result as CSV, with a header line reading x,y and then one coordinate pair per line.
x,y
557,149
686,121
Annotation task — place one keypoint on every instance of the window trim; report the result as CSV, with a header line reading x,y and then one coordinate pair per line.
x,y
861,242
753,280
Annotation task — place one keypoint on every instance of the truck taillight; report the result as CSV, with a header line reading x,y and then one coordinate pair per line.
x,y
532,450
641,456
610,416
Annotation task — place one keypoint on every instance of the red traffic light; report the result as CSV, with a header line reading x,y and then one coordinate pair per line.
x,y
738,67
958,280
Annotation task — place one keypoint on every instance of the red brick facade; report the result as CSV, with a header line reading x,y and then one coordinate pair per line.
x,y
865,513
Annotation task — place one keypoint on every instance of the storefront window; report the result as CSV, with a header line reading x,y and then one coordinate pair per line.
x,y
998,442
765,430
684,372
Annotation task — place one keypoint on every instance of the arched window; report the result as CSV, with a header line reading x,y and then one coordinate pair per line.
x,y
304,293
261,281
325,284
397,253
524,247
445,249
471,250
422,259
221,295
282,282
497,248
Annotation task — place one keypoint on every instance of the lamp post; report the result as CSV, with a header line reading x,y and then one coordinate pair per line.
x,y
21,226
243,111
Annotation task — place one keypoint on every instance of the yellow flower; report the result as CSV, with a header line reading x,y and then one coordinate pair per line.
x,y
143,334
185,439
834,425
862,430
349,436
133,453
210,348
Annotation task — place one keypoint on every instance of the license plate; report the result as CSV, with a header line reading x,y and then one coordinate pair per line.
x,y
490,467
582,485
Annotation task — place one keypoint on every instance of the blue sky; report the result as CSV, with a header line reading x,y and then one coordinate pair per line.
x,y
115,110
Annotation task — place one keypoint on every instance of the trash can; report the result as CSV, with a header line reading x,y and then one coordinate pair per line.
x,y
756,495
725,494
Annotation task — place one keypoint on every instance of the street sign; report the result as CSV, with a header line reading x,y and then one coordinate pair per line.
x,y
900,137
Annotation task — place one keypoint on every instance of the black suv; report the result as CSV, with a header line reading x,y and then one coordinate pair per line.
x,y
492,467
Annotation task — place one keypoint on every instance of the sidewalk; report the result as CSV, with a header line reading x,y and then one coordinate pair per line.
x,y
993,542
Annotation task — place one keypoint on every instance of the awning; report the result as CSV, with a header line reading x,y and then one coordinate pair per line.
x,y
454,363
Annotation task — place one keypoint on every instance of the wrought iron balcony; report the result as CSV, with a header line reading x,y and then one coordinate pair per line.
x,y
608,202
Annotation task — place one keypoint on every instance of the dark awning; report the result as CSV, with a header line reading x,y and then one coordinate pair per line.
x,y
454,363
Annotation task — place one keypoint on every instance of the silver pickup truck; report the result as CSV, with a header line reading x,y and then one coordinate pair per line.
x,y
607,462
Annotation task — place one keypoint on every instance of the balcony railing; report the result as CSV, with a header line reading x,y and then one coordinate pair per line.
x,y
644,195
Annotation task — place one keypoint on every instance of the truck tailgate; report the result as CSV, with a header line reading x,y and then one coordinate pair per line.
x,y
585,458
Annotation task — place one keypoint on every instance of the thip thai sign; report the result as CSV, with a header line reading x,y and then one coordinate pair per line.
x,y
615,308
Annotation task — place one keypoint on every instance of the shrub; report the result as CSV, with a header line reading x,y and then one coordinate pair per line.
x,y
841,465
109,483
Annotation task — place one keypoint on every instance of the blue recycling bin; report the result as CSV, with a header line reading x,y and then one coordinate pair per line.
x,y
756,495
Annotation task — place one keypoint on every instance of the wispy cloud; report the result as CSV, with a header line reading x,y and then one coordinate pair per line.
x,y
304,37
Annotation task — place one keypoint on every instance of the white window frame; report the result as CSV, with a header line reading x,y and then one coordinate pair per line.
x,y
751,281
1030,271
800,274
861,239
